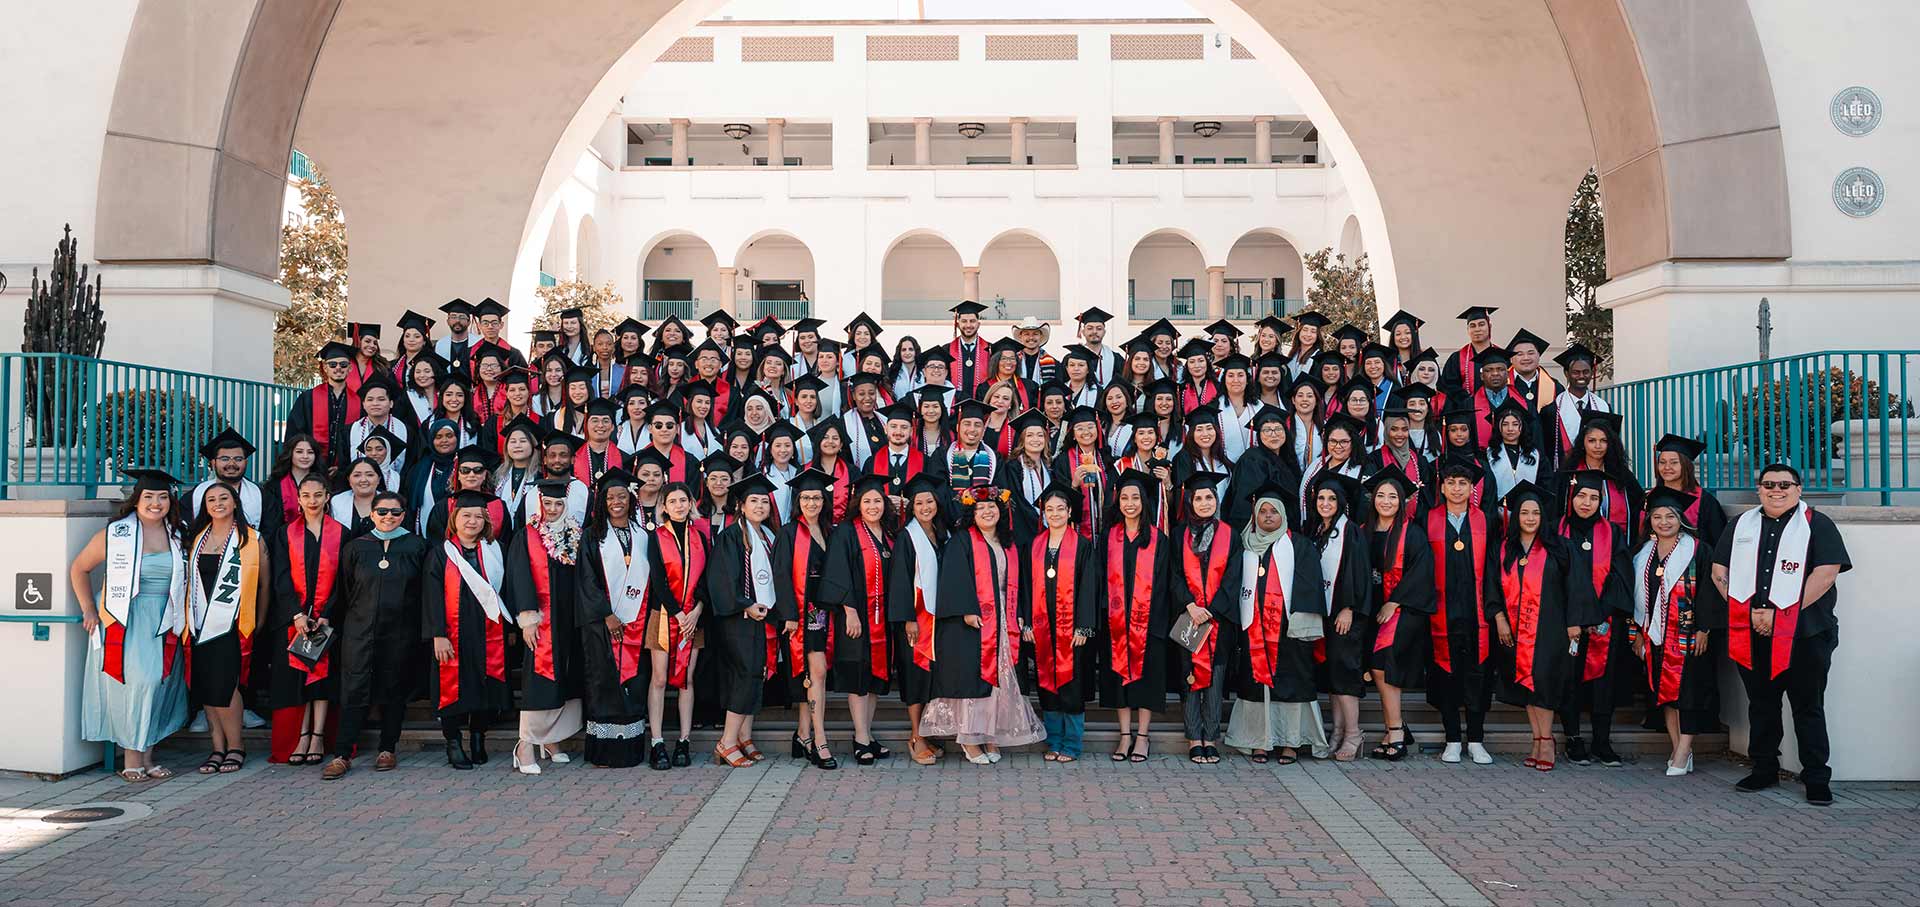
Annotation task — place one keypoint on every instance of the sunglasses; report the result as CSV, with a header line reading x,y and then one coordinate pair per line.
x,y
472,470
388,511
1778,485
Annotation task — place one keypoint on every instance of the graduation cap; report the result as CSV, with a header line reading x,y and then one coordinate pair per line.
x,y
490,306
1594,479
1276,324
1459,465
466,499
1065,491
546,336
1460,413
972,409
720,316
573,313
720,461
1686,447
457,306
871,352
1477,313
490,351
475,453
1356,429
1095,315
1223,327
1054,388
601,406
631,326
1080,352
808,325
767,326
225,439
579,374
1204,415
1326,358
1523,335
359,329
1576,352
694,389
1270,359
1137,479
1412,321
1492,355
1005,345
1392,475
968,307
1032,418
386,437
812,480
680,351
1376,351
901,410
554,487
633,392
667,408
1082,413
415,320
808,382
775,351
1198,346
740,430
522,423
619,476
1426,355
1347,487
382,380
748,486
1523,491
150,479
557,436
863,319
1144,420
708,346
334,349
1207,480
1350,332
922,483
1141,343
1662,496
1161,327
1609,421
1234,361
1267,414
650,457
863,379
936,354
1311,319
826,345
1515,406
1356,383
457,377
866,483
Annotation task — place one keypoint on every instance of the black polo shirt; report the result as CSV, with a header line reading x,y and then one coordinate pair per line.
x,y
1824,548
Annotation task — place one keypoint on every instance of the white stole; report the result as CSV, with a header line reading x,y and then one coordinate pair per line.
x,y
213,615
1568,409
759,563
486,589
1281,554
342,511
1507,474
926,565
249,500
1330,557
1790,560
124,549
1650,612
514,497
626,587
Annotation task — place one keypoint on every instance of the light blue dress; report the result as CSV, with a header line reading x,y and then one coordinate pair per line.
x,y
152,704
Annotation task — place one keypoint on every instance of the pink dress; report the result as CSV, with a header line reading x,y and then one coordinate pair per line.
x,y
1004,718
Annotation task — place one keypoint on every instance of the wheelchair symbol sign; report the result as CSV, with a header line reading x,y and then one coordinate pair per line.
x,y
33,591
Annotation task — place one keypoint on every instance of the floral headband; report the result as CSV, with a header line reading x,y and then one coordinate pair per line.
x,y
978,493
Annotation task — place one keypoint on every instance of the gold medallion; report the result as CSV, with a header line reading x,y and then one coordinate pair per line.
x,y
1050,573
806,683
1263,570
1190,679
1523,562
1586,546
1459,545
1660,570
383,563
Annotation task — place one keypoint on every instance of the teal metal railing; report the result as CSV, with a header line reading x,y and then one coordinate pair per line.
x,y
548,280
73,421
783,309
1238,308
1843,418
998,309
684,309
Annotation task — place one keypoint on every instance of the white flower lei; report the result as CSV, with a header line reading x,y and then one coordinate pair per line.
x,y
562,539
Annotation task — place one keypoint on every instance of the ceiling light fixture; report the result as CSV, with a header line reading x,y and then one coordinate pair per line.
x,y
1207,128
973,130
737,131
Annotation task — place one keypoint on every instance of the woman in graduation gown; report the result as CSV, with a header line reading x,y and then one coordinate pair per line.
x,y
742,590
1675,609
305,579
677,621
1267,462
1599,450
1059,592
1599,598
1083,462
613,601
221,615
978,701
1346,575
1135,611
1533,581
543,594
462,612
1675,464
913,592
853,588
1403,602
1207,587
377,608
1026,473
799,557
1281,610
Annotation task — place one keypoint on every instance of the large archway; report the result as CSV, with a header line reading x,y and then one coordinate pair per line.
x,y
774,276
679,275
921,277
1020,276
1167,278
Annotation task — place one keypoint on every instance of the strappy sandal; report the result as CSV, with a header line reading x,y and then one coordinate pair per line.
x,y
1120,755
1133,752
1197,755
863,753
1063,758
750,751
1259,757
212,764
310,758
1280,757
235,761
1213,754
1050,756
1530,762
922,754
1393,750
158,773
133,775
730,756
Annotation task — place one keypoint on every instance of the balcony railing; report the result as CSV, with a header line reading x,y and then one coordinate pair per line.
x,y
997,309
548,280
1843,418
783,309
77,422
1196,309
684,309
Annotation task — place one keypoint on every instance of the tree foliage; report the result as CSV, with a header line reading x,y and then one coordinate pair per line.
x,y
1587,322
1343,292
313,268
600,306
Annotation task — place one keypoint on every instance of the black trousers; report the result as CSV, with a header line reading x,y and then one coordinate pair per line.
x,y
1804,683
1598,696
1476,724
475,722
354,718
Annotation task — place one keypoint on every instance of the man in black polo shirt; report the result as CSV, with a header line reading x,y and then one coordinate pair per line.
x,y
1777,569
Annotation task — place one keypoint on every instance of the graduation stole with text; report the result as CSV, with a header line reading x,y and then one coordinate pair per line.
x,y
1052,617
1789,570
685,564
1520,580
1129,610
494,634
1204,584
313,601
230,604
1437,538
993,623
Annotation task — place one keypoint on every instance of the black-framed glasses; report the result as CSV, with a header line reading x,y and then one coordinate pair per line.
x,y
389,511
1778,484
473,470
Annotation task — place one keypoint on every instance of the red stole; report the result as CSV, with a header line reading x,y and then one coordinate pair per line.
x,y
1191,400
583,464
1602,562
487,402
330,540
321,401
969,369
543,594
882,465
842,493
1616,500
676,461
1269,617
496,641
797,640
1520,583
1469,373
1052,620
1663,676
1204,584
1437,538
722,396
358,374
1390,581
993,622
1483,419
1785,620
872,568
290,495
1128,610
684,569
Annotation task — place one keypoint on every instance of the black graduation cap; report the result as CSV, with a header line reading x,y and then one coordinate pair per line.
x,y
1278,324
1586,478
1136,478
1402,317
1223,326
1662,496
150,479
1160,386
1492,355
427,355
1266,414
631,326
380,379
871,352
1325,358
1161,327
1426,355
457,306
934,354
1460,464
415,320
1356,429
1235,361
767,326
968,307
680,351
826,345
811,480
475,453
1082,413
860,319
1525,336
1523,491
866,483
1067,492
902,410
1054,388
1460,413
1080,352
226,438
554,487
463,500
601,406
1314,319
490,306
808,382
1271,359
554,356
557,436
525,424
667,408
1475,313
1006,345
720,461
1207,480
860,379
1144,420
1204,415
490,351
1350,332
359,329
1514,405
972,409
740,430
1356,383
1095,315
923,482
620,476
1376,351
334,349
1393,475
1610,421
1686,447
708,346
649,456
632,392
1347,487
393,442
748,486
1032,418
775,351
1576,352
580,374
1198,346
546,336
1139,344
573,313
694,389
808,325
720,316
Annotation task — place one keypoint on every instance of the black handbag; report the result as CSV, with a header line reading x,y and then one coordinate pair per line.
x,y
307,649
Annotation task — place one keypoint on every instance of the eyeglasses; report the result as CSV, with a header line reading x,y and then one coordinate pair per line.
x,y
388,511
335,363
1778,485
230,458
490,320
473,470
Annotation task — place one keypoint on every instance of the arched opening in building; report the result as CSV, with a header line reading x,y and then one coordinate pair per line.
x,y
1351,245
1019,276
774,276
586,251
920,279
1264,277
679,275
556,255
1166,278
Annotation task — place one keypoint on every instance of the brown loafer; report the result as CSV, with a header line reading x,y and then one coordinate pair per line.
x,y
385,762
336,769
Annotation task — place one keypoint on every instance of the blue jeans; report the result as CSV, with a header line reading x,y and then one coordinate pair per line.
x,y
1064,732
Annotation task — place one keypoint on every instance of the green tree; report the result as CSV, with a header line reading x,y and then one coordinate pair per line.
x,y
1587,322
1343,292
599,305
313,268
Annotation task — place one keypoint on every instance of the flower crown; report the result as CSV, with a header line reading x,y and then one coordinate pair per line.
x,y
978,493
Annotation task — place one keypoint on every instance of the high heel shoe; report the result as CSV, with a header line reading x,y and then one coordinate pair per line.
x,y
1393,750
802,748
1676,771
821,758
556,756
1126,738
863,753
1349,748
730,757
979,758
529,767
477,747
750,751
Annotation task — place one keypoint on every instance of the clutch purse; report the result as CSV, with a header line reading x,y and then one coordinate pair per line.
x,y
1189,635
308,648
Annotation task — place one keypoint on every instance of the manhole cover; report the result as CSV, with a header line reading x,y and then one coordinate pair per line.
x,y
83,815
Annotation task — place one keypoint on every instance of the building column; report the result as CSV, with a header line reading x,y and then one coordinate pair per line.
x,y
1217,292
922,141
1166,141
680,148
970,283
1263,139
727,301
1019,154
776,142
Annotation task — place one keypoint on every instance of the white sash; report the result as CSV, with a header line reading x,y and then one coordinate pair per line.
x,y
1281,554
507,493
626,587
1651,613
486,589
124,550
213,615
1790,561
759,563
341,509
249,500
926,566
1568,408
1330,557
1506,474
633,436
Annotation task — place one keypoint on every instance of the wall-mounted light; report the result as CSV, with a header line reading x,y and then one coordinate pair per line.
x,y
1207,128
737,131
973,130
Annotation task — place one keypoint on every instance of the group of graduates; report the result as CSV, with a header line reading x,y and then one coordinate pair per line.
x,y
955,524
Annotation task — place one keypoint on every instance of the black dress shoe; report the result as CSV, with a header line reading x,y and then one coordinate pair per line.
x,y
1819,794
1577,751
658,759
801,748
457,757
681,757
1604,754
477,747
1758,781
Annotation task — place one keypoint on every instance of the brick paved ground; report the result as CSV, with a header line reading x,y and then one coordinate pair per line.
x,y
1022,832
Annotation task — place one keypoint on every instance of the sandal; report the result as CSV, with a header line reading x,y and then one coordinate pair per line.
x,y
1197,755
922,753
158,773
730,757
1213,754
133,775
1259,757
1133,752
1050,756
1530,761
750,751
1282,757
1392,750
213,762
863,753
1120,755
310,758
235,761
1063,758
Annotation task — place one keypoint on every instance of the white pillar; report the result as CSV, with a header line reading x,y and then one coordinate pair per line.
x,y
1166,141
923,141
680,148
776,142
728,303
1019,154
970,283
1262,139
1216,292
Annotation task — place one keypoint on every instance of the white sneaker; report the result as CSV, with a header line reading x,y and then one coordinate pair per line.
x,y
249,719
1451,753
1674,771
199,725
1479,754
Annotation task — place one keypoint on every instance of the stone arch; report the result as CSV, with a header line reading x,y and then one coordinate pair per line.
x,y
920,277
1160,265
1020,276
678,275
766,263
586,250
1351,244
1263,254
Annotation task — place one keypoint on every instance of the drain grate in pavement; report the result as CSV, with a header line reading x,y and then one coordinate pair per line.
x,y
83,815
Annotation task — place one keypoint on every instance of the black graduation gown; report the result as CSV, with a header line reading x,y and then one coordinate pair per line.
x,y
1092,511
1689,682
478,692
1399,652
607,698
1224,605
1539,636
1709,521
558,636
300,422
380,655
843,585
957,647
1467,682
1610,607
1293,673
804,608
1255,468
287,685
915,682
1026,515
1422,471
1343,672
1150,690
739,641
1040,593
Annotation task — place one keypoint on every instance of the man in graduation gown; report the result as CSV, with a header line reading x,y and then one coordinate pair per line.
x,y
462,612
542,592
1107,362
1599,598
971,363
1777,567
966,462
663,435
599,453
1529,381
899,460
1560,419
557,459
324,410
1036,366
1470,613
1460,375
226,454
1492,394
378,610
492,317
457,346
